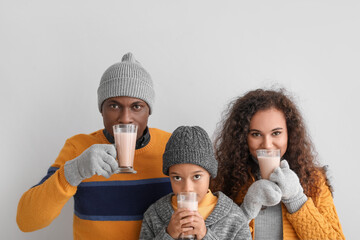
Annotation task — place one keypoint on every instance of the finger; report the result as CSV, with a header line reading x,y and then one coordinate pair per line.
x,y
276,175
284,164
186,231
109,160
101,172
185,213
186,220
109,149
105,166
197,218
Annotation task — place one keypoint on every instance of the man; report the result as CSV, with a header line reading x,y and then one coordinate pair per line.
x,y
108,205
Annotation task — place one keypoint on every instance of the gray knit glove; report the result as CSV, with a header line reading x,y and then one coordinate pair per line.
x,y
97,159
261,193
293,194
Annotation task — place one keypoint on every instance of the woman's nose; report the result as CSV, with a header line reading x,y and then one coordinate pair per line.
x,y
267,143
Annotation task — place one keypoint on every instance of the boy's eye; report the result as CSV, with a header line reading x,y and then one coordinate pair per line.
x,y
177,178
197,177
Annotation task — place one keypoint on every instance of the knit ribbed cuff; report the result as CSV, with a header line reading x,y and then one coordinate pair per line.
x,y
210,235
294,204
72,173
66,186
163,235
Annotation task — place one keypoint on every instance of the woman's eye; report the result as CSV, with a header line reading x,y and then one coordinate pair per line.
x,y
197,177
177,178
276,133
255,134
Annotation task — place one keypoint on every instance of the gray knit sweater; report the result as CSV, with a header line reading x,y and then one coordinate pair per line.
x,y
225,222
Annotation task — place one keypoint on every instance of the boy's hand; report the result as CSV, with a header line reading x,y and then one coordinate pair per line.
x,y
197,226
178,219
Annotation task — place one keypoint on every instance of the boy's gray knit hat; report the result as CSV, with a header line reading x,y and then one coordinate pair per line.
x,y
190,145
126,78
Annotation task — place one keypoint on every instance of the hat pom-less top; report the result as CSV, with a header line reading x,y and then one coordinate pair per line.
x,y
126,78
190,145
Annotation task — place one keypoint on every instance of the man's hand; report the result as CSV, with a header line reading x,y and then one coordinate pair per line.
x,y
97,159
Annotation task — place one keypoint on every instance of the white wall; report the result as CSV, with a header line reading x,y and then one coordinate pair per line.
x,y
201,54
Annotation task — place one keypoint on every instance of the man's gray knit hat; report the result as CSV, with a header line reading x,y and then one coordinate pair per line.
x,y
190,145
126,78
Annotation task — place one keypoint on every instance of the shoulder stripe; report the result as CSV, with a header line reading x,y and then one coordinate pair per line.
x,y
125,183
109,218
50,172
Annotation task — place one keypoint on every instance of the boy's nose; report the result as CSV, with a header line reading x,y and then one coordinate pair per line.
x,y
188,186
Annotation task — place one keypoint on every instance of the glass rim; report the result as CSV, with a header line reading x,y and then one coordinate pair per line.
x,y
274,152
191,195
129,126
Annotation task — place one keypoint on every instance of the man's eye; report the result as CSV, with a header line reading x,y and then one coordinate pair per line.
x,y
177,178
115,106
197,177
137,107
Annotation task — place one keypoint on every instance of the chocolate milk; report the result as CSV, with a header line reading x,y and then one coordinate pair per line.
x,y
190,202
125,147
267,165
191,205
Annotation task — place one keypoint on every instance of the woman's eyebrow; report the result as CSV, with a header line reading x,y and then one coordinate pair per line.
x,y
254,130
279,128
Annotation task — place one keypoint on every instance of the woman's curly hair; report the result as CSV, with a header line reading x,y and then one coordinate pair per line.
x,y
232,151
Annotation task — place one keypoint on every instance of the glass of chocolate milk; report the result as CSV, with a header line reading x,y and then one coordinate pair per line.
x,y
268,161
187,200
125,140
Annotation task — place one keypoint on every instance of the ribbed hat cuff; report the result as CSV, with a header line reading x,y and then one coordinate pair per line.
x,y
126,87
191,156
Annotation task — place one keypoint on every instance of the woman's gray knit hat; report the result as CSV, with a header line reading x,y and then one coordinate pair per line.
x,y
190,145
126,78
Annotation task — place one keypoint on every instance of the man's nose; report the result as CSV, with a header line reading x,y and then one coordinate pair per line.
x,y
125,117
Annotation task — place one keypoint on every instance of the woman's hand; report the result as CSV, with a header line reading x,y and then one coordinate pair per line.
x,y
287,180
178,222
261,193
292,192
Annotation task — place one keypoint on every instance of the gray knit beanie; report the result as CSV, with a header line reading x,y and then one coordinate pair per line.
x,y
126,78
190,145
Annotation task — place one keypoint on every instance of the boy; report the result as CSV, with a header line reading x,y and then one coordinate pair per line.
x,y
190,162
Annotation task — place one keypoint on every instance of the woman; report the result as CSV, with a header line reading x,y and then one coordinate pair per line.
x,y
297,193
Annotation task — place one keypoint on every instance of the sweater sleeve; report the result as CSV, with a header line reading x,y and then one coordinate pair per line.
x,y
41,204
317,220
150,220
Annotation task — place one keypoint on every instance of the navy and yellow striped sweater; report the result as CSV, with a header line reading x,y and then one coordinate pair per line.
x,y
104,208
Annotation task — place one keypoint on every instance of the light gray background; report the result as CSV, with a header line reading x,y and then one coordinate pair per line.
x,y
201,54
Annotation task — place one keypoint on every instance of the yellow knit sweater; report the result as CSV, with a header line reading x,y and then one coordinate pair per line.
x,y
316,219
104,208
